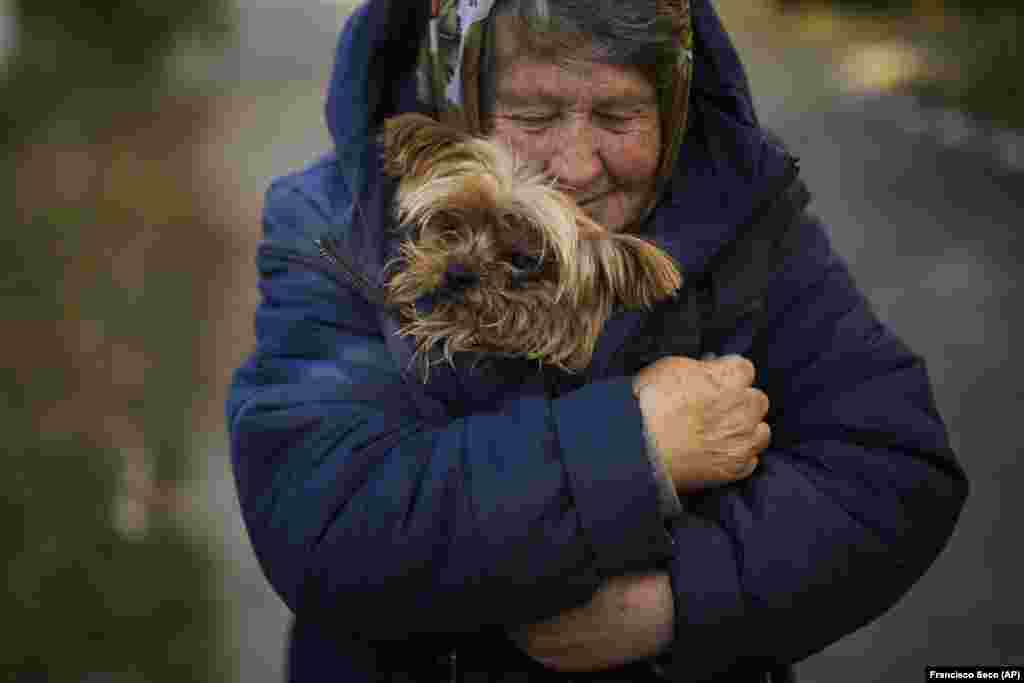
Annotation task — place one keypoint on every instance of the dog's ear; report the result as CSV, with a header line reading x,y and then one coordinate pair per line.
x,y
409,141
639,273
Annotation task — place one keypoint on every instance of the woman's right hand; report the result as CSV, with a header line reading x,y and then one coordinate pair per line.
x,y
703,418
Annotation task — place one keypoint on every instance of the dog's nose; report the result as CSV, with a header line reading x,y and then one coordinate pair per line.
x,y
522,261
459,277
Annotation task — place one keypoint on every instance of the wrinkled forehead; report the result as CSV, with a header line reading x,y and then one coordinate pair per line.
x,y
527,83
516,38
528,60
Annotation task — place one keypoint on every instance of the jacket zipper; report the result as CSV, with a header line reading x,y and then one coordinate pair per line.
x,y
335,266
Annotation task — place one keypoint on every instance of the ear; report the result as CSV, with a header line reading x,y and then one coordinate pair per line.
x,y
639,273
410,141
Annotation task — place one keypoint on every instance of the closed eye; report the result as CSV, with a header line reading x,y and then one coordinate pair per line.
x,y
534,120
613,121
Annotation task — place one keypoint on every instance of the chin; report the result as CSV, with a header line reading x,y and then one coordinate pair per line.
x,y
614,213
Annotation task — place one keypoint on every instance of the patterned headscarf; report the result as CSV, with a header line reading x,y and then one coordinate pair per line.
x,y
452,57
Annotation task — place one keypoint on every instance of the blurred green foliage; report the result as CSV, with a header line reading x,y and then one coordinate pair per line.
x,y
72,55
979,38
986,48
91,595
83,599
131,36
905,7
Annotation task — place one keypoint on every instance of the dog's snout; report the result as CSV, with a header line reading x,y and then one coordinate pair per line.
x,y
459,277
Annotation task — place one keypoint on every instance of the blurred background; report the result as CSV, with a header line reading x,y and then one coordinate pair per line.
x,y
138,138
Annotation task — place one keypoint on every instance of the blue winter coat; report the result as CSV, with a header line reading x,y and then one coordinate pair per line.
x,y
399,526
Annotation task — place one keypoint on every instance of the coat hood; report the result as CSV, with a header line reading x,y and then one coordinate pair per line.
x,y
725,167
727,170
460,45
381,51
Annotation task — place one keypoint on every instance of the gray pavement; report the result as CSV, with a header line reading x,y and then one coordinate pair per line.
x,y
925,205
928,221
930,232
277,128
280,41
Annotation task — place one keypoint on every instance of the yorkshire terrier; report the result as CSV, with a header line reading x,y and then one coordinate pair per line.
x,y
500,262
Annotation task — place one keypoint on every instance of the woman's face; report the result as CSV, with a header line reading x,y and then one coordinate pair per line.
x,y
594,127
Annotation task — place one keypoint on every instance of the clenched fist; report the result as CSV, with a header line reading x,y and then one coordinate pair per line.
x,y
703,418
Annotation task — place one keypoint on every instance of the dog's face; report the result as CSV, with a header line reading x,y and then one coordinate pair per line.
x,y
499,262
481,220
478,255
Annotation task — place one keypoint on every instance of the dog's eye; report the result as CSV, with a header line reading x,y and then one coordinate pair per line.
x,y
522,261
458,278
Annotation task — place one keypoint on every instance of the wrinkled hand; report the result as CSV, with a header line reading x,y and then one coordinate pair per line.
x,y
704,418
629,618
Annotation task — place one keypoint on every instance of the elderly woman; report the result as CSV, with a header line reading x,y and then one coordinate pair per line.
x,y
632,523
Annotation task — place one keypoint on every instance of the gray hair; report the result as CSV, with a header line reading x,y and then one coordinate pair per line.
x,y
630,33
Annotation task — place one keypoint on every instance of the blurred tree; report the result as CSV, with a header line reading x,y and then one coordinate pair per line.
x,y
899,7
68,54
979,40
107,260
985,41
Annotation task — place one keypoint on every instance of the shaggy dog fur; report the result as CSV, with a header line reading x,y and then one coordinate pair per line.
x,y
498,261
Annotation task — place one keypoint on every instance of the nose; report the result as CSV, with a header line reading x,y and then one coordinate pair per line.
x,y
576,161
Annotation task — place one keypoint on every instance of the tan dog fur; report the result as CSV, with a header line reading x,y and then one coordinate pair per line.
x,y
514,266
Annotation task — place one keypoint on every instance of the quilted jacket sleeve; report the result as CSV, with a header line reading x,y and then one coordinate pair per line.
x,y
359,512
855,498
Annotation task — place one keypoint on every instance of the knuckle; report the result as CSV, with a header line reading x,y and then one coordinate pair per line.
x,y
734,370
678,361
762,401
741,365
672,368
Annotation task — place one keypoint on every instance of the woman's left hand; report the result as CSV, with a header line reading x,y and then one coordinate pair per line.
x,y
629,618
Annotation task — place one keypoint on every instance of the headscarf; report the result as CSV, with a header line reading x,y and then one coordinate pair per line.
x,y
453,54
